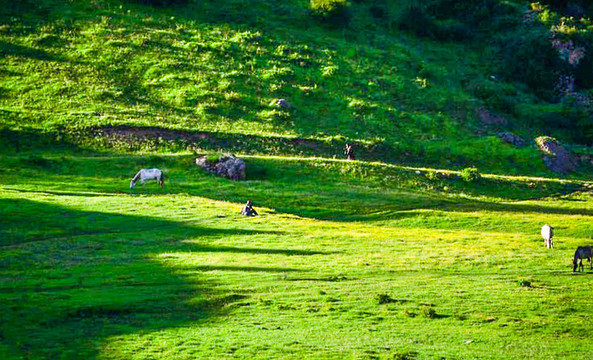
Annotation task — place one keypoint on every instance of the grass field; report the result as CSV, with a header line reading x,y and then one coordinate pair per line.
x,y
338,265
398,255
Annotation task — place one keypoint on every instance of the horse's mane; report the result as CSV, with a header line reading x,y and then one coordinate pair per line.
x,y
581,252
137,176
576,254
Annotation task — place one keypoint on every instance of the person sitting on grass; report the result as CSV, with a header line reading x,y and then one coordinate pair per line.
x,y
248,209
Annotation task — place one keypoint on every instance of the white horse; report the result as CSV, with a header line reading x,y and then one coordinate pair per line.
x,y
548,234
148,174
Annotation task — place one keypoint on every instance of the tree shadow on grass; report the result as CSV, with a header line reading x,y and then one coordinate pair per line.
x,y
64,296
231,249
19,141
7,49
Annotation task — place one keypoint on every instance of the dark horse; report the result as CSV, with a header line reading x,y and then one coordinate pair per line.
x,y
583,252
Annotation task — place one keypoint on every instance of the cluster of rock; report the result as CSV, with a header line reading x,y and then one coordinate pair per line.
x,y
227,165
556,157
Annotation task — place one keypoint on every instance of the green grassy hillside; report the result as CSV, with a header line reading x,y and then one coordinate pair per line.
x,y
404,254
82,67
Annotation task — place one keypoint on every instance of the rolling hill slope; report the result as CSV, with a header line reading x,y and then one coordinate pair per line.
x,y
85,68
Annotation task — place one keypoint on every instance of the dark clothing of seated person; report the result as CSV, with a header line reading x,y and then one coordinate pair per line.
x,y
248,209
349,152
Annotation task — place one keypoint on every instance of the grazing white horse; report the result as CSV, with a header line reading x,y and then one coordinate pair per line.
x,y
148,174
548,234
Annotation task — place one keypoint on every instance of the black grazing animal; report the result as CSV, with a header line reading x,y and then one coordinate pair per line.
x,y
583,252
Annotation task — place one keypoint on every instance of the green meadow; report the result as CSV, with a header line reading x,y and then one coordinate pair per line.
x,y
339,264
398,255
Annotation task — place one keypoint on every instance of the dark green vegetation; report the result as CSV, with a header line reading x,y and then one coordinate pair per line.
x,y
427,248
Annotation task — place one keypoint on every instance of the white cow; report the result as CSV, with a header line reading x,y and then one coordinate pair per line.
x,y
548,234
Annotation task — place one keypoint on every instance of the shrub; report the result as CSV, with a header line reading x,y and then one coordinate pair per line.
x,y
498,96
529,57
432,175
384,299
417,21
336,12
406,355
470,174
428,312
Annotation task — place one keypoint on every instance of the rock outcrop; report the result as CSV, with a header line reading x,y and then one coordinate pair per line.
x,y
227,165
556,157
512,139
282,103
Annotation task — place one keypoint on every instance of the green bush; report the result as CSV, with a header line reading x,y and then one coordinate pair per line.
x,y
336,12
470,174
417,21
384,299
406,355
529,57
497,96
428,312
432,176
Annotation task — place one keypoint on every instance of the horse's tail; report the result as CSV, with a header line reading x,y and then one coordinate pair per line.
x,y
162,180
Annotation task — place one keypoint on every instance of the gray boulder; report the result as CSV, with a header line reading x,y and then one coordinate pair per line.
x,y
282,103
227,165
512,139
555,156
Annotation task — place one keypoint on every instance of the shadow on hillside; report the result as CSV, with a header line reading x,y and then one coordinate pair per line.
x,y
64,296
51,222
18,141
64,193
28,52
472,206
205,248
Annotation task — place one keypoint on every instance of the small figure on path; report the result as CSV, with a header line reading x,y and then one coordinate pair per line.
x,y
248,209
349,152
548,234
148,174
